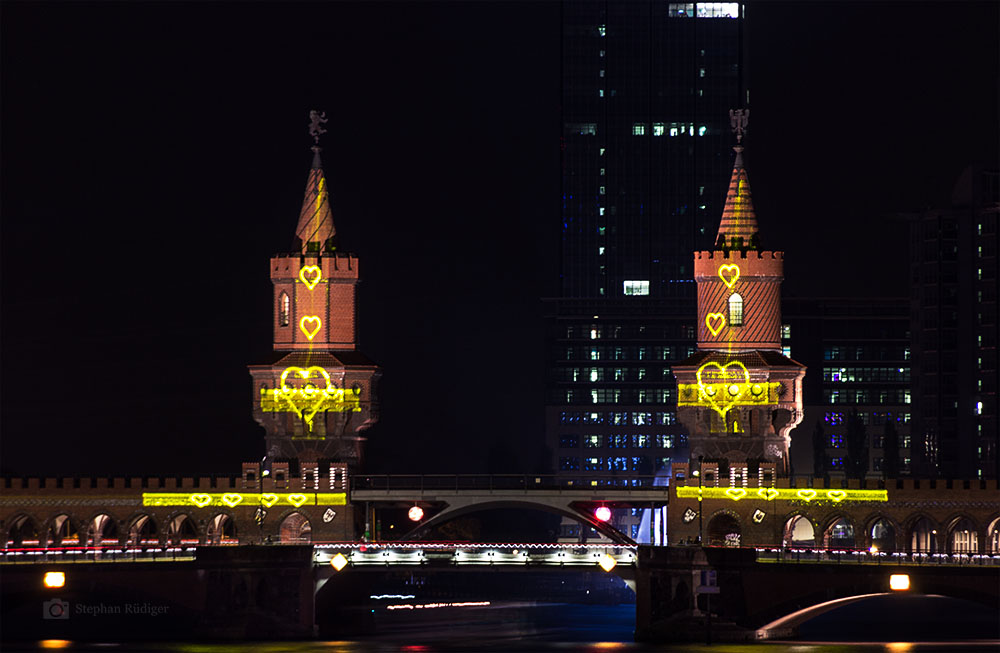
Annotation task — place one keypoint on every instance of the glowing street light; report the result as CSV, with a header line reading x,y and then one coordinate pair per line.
x,y
54,579
416,513
607,563
603,513
899,582
338,561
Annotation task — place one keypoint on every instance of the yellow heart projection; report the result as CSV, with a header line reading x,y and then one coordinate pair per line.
x,y
306,391
310,325
729,274
715,322
310,275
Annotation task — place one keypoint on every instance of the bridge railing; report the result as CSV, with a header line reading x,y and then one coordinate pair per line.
x,y
863,557
490,482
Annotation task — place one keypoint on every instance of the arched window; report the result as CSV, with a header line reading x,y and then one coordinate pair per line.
x,y
283,309
735,310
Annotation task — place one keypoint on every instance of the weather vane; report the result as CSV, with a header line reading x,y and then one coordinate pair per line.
x,y
738,119
315,130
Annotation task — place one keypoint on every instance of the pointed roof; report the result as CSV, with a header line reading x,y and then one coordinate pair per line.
x,y
315,219
738,217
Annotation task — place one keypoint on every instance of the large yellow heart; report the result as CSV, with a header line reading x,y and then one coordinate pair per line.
x,y
310,325
201,500
715,322
231,499
309,398
836,495
310,275
268,499
729,274
736,493
767,493
807,494
297,499
714,382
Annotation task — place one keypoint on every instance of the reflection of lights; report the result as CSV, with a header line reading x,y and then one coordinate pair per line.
x,y
873,550
55,643
783,494
416,513
310,325
899,647
310,275
429,606
899,582
54,579
338,561
715,323
603,513
607,563
392,596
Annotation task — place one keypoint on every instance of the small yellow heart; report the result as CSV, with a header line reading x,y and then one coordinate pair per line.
x,y
806,494
310,325
715,322
297,499
231,499
201,500
736,493
836,495
310,275
767,493
729,274
268,499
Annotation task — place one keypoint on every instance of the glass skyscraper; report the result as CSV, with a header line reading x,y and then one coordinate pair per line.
x,y
646,159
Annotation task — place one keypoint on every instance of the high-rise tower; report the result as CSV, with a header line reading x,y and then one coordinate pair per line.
x,y
738,395
315,401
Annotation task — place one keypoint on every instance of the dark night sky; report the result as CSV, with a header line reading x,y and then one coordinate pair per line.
x,y
154,157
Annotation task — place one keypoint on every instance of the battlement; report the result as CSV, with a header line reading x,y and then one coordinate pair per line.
x,y
751,264
333,266
738,255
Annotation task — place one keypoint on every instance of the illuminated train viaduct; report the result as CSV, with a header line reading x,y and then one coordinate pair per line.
x,y
738,396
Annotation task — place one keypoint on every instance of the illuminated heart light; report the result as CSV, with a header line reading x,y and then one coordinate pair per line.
x,y
767,493
269,499
297,499
736,493
311,398
729,274
310,325
310,275
807,494
231,499
836,495
722,402
715,322
201,500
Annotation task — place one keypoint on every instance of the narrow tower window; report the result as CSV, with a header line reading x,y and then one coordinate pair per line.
x,y
735,310
283,309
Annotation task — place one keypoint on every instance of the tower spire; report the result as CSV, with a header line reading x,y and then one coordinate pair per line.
x,y
738,227
315,227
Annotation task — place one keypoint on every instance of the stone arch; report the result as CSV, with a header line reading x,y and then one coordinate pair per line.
x,y
880,532
963,535
221,529
22,531
102,530
799,531
583,517
295,528
62,530
181,529
992,544
839,532
724,529
921,535
141,530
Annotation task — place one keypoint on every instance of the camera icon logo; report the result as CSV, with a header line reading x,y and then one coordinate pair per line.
x,y
55,609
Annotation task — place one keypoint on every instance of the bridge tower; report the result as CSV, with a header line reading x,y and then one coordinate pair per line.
x,y
738,395
317,399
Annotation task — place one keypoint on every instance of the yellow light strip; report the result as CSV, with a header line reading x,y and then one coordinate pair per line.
x,y
780,494
233,499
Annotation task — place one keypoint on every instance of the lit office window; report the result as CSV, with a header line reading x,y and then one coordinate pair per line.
x,y
637,287
639,129
658,129
786,331
602,30
702,130
680,10
786,351
567,463
718,10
